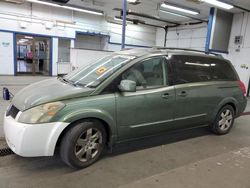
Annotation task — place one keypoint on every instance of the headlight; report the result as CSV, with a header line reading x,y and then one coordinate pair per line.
x,y
40,114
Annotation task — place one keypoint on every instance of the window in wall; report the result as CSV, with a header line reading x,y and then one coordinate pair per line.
x,y
64,50
94,42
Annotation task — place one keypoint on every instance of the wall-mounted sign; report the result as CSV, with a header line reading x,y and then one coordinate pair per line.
x,y
244,66
5,44
238,40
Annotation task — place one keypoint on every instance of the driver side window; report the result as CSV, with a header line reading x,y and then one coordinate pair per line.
x,y
147,74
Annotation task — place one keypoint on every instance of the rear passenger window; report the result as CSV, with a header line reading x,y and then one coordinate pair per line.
x,y
200,69
222,70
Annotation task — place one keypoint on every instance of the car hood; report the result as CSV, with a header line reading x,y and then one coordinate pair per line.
x,y
47,91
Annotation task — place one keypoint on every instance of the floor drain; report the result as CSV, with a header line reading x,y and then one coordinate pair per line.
x,y
5,151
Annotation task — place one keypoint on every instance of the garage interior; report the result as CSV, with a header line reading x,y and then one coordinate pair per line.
x,y
44,39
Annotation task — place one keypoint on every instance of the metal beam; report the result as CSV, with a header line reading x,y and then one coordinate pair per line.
x,y
124,23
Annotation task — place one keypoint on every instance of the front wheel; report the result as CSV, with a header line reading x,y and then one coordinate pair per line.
x,y
224,121
83,144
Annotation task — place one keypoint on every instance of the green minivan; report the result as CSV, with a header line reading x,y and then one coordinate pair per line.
x,y
128,95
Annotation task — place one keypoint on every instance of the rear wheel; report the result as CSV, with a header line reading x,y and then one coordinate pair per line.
x,y
224,120
83,144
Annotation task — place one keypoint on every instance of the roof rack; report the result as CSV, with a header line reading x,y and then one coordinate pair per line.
x,y
190,50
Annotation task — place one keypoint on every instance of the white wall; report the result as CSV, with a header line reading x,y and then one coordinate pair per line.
x,y
12,15
184,37
36,18
6,54
82,57
241,59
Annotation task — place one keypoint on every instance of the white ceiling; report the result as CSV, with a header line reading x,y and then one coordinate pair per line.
x,y
151,7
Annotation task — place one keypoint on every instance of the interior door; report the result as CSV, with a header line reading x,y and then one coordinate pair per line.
x,y
149,110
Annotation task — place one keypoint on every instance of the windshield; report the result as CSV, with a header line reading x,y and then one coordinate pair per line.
x,y
94,74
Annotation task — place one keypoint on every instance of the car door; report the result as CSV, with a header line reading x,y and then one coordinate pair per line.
x,y
196,94
149,110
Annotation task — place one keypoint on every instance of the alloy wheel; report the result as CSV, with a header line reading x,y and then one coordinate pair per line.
x,y
88,144
226,119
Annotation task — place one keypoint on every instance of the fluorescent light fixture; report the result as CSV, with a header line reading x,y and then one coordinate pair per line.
x,y
120,20
28,37
132,1
23,40
99,13
180,9
218,4
175,14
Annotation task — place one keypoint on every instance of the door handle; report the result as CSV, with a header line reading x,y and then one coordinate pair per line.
x,y
165,95
182,94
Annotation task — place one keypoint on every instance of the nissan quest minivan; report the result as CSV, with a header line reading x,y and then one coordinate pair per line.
x,y
128,95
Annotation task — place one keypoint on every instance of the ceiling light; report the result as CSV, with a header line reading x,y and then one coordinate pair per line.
x,y
28,37
132,1
23,40
175,14
218,4
15,1
95,12
180,9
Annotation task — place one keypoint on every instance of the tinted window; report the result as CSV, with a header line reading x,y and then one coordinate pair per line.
x,y
147,74
199,69
222,70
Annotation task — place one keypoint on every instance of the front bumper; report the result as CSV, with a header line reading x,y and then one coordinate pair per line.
x,y
32,140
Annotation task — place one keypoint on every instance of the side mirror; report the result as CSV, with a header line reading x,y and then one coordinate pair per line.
x,y
127,86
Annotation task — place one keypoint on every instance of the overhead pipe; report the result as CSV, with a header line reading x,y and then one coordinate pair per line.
x,y
151,17
130,12
241,8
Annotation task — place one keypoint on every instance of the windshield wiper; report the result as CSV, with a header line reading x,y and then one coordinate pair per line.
x,y
79,84
68,81
75,83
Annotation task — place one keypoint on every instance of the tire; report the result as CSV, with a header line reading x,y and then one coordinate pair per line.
x,y
83,144
224,121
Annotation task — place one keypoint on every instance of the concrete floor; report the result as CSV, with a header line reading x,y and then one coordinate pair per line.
x,y
193,158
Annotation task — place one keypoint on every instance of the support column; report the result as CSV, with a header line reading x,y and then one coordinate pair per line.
x,y
124,23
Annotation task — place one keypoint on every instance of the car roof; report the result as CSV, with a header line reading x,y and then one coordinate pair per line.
x,y
139,52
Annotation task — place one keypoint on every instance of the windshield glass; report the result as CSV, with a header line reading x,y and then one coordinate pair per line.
x,y
94,74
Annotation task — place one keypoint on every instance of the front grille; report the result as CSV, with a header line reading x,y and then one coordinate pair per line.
x,y
13,111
